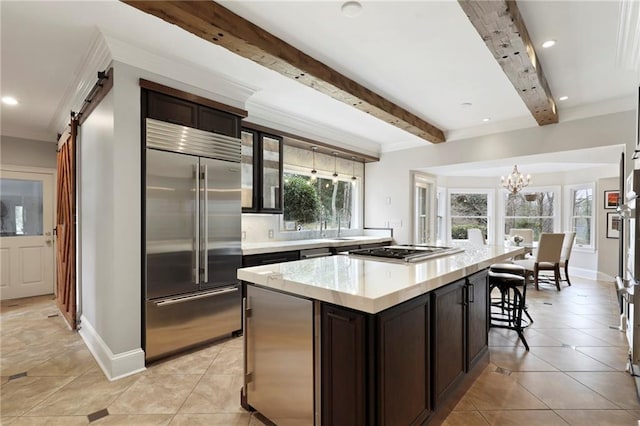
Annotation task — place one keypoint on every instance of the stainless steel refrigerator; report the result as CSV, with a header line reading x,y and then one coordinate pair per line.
x,y
628,279
192,234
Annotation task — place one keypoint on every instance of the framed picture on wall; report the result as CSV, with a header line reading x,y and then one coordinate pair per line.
x,y
611,199
613,225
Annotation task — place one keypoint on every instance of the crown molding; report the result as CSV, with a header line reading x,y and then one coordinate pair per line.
x,y
275,118
628,39
97,57
594,109
221,87
399,146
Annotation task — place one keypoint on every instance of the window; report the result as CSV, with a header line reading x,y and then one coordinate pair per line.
x,y
469,209
535,210
21,207
580,220
320,205
423,212
440,214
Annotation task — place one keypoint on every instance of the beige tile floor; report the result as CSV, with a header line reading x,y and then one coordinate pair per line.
x,y
574,373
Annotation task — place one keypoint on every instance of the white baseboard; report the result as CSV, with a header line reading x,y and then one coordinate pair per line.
x,y
605,277
114,366
582,273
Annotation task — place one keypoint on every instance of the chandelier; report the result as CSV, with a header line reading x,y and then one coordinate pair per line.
x,y
515,181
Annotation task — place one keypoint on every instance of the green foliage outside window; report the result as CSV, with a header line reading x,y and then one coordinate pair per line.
x,y
328,208
301,200
537,214
468,211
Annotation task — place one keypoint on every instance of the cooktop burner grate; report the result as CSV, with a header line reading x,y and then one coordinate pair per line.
x,y
405,253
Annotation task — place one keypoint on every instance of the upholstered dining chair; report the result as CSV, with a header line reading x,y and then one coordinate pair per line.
x,y
475,237
565,254
547,258
525,233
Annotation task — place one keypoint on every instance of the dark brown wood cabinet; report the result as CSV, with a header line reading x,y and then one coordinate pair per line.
x,y
376,368
213,120
449,364
403,333
477,318
344,366
179,111
262,172
172,110
270,258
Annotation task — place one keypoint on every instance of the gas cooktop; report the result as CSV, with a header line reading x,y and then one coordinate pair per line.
x,y
406,253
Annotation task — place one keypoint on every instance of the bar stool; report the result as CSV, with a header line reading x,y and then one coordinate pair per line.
x,y
506,310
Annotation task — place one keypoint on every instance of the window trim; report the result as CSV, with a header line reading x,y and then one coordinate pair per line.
x,y
441,211
568,194
491,195
429,182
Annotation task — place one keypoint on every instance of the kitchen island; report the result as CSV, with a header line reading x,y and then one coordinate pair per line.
x,y
349,340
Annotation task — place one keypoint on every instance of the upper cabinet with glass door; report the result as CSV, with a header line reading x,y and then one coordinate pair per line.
x,y
249,167
261,172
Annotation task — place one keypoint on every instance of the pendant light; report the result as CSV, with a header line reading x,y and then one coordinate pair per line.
x,y
353,170
314,172
335,173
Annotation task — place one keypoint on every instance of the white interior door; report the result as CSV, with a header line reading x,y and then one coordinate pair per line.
x,y
26,243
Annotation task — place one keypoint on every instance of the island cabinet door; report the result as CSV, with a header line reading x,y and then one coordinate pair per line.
x,y
404,370
477,318
344,366
448,338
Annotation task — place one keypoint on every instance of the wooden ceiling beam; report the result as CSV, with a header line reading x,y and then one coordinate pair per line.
x,y
502,28
216,24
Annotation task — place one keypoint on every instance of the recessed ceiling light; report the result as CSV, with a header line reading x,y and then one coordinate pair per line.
x,y
9,100
351,9
486,119
548,43
563,98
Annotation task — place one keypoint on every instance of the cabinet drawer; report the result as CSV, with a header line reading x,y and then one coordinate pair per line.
x,y
269,258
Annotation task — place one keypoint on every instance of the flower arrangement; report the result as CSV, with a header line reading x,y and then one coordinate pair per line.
x,y
517,239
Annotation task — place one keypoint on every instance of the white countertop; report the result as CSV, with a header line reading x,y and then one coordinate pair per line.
x,y
372,285
278,246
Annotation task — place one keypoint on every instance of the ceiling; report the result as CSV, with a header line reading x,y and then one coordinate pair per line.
x,y
425,56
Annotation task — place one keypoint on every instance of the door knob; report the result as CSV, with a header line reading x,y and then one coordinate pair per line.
x,y
48,241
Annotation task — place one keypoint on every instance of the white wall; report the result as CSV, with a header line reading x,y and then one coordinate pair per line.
x,y
27,152
111,223
607,247
388,191
110,320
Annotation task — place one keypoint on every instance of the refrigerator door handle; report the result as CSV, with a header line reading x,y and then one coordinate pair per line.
x,y
197,222
205,200
183,299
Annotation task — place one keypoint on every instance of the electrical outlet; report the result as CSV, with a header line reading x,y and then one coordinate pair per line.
x,y
270,233
388,200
